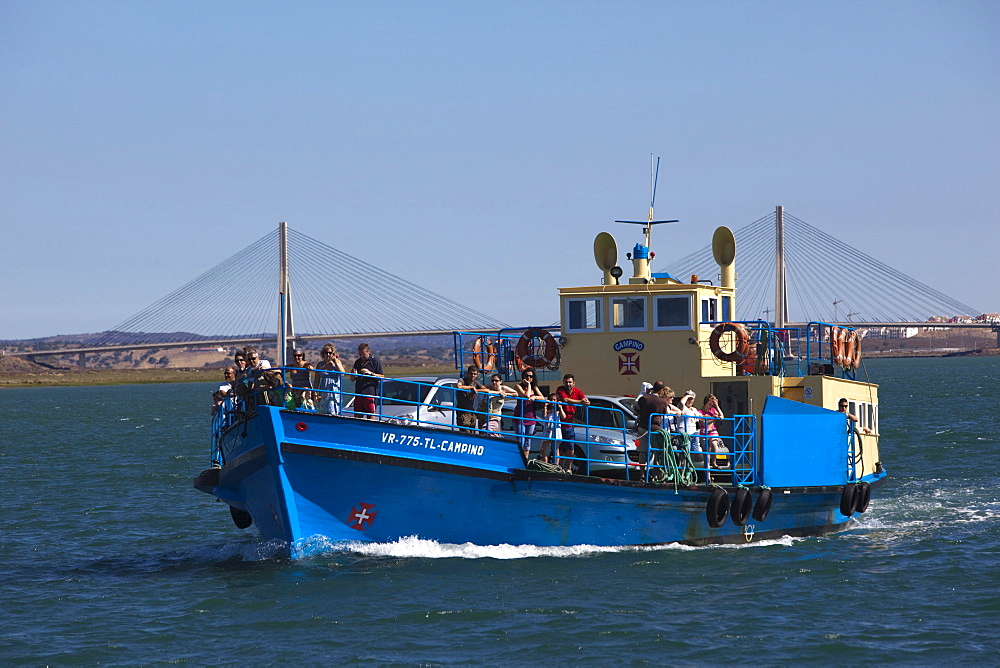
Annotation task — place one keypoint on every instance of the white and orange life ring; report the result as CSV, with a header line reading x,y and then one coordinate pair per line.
x,y
739,351
528,354
837,345
850,338
852,352
483,344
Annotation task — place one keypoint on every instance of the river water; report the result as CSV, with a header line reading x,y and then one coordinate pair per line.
x,y
108,555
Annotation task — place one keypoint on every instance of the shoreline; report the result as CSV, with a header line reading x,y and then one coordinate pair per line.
x,y
88,377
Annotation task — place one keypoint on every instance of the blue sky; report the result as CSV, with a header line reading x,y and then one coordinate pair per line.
x,y
477,148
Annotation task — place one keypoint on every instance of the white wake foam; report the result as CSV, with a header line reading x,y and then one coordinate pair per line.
x,y
413,547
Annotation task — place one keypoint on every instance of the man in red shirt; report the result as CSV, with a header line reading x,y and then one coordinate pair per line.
x,y
571,395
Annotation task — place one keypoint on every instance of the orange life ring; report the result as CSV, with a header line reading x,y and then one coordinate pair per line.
x,y
742,347
850,338
477,354
837,345
855,360
526,354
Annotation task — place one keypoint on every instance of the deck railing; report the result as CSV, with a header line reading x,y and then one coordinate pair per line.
x,y
596,442
677,455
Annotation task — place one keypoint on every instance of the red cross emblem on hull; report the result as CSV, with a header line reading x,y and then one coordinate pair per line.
x,y
359,518
628,364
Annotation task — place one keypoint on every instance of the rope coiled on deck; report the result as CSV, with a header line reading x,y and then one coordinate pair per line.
x,y
665,460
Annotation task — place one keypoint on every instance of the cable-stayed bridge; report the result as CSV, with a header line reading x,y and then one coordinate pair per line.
x,y
789,270
237,303
330,294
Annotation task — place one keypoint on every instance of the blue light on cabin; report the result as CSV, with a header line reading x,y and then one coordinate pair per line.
x,y
640,252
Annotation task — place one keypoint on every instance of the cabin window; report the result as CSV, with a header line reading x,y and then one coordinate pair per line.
x,y
866,417
709,310
583,315
673,313
628,313
727,309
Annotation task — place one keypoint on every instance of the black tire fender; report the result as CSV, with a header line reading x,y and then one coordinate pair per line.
x,y
241,518
864,497
763,505
742,504
717,508
848,499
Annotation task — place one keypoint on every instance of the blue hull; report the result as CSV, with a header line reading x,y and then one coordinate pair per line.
x,y
302,475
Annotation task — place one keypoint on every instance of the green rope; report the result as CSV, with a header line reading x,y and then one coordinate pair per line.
x,y
539,465
681,474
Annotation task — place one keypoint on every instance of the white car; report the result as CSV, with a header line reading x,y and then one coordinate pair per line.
x,y
429,401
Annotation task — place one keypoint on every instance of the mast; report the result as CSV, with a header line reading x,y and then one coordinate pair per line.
x,y
641,254
780,287
286,329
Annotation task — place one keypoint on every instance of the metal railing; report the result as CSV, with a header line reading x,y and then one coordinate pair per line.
x,y
783,351
681,454
595,441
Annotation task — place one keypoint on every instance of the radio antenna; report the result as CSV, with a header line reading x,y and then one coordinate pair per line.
x,y
654,176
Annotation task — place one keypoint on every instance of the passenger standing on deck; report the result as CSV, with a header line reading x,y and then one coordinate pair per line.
x,y
673,413
465,399
299,381
254,362
261,381
549,419
524,412
328,381
652,406
688,424
225,390
713,443
368,369
497,392
240,364
575,409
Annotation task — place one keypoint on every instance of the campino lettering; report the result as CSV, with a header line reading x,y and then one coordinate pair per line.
x,y
629,343
429,443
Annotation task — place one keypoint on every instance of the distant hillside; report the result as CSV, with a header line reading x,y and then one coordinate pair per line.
x,y
407,351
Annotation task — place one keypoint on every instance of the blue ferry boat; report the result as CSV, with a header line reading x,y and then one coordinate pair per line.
x,y
786,460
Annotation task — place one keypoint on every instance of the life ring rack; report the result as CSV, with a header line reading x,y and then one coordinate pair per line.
x,y
527,355
742,348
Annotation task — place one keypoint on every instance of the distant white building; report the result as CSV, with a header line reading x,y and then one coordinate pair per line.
x,y
889,332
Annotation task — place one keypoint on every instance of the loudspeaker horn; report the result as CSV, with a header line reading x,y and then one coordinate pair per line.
x,y
606,255
724,250
605,251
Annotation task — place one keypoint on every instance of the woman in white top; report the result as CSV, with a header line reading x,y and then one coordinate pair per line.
x,y
687,422
497,392
329,383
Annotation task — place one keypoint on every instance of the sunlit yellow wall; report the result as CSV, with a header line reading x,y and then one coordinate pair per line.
x,y
666,355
